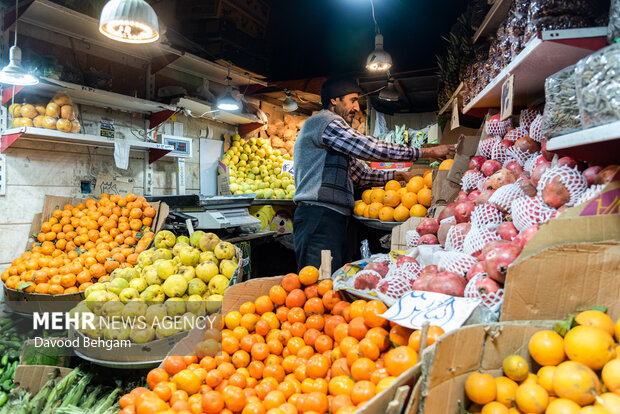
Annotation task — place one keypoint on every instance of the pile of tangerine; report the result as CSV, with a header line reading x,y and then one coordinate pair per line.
x,y
82,243
299,349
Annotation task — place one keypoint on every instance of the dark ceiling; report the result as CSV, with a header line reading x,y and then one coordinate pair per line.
x,y
309,38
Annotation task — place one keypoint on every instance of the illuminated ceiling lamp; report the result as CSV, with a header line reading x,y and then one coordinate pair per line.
x,y
227,102
14,73
389,93
379,60
289,104
129,21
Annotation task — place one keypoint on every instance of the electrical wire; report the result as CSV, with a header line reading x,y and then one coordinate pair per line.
x,y
372,6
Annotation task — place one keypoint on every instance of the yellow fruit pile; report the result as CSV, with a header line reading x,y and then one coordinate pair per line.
x,y
588,382
395,202
58,114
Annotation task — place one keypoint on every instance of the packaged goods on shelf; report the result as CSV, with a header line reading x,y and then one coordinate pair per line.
x,y
561,109
598,86
58,114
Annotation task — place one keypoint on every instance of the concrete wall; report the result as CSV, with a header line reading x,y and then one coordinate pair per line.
x,y
37,168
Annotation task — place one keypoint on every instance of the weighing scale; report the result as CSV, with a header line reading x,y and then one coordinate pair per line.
x,y
228,213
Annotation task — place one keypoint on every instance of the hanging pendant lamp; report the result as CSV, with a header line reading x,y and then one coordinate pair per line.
x,y
14,73
129,21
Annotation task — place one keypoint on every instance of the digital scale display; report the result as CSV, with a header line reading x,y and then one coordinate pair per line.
x,y
182,146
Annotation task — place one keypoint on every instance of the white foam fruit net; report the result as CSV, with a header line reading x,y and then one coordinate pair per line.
x,y
530,163
571,178
590,193
450,219
516,133
407,270
498,128
520,156
396,287
528,116
527,211
536,130
455,239
477,238
485,147
503,197
500,153
472,180
456,262
491,300
486,215
412,238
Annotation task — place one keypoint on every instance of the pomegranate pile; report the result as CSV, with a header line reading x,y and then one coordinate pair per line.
x,y
509,190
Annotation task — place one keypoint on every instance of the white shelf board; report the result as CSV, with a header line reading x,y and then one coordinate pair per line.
x,y
209,111
596,135
495,16
53,135
99,98
455,95
539,59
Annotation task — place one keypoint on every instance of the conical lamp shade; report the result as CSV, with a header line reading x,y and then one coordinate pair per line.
x,y
130,21
379,60
227,102
14,73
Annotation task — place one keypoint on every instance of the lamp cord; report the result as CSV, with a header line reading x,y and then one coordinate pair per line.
x,y
372,6
16,18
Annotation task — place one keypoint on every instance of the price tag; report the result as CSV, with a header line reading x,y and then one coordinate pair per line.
x,y
507,97
454,123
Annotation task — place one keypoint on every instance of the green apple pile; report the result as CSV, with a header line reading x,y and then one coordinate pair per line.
x,y
179,277
255,167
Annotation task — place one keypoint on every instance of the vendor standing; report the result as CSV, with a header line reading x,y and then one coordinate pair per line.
x,y
327,167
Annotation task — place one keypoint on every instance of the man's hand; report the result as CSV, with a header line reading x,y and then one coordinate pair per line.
x,y
439,151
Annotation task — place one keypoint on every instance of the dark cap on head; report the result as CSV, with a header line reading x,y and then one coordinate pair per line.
x,y
336,88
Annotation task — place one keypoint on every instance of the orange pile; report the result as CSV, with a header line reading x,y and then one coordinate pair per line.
x,y
299,349
395,202
83,243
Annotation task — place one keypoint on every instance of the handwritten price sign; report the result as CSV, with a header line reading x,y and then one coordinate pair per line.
x,y
446,311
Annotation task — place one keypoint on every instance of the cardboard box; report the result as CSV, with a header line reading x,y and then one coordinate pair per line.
x,y
33,377
576,256
399,233
223,179
445,367
451,136
113,184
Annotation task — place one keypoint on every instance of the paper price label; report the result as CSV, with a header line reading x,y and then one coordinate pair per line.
x,y
417,307
454,123
287,166
507,97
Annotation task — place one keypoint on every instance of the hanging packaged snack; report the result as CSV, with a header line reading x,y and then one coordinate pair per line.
x,y
561,114
613,29
597,79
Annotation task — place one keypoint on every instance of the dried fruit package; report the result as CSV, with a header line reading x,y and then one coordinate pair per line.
x,y
561,114
613,29
597,78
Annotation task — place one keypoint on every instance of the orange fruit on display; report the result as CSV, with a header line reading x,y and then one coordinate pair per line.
x,y
596,319
376,196
563,406
480,388
506,390
611,375
391,198
547,348
392,185
424,197
591,346
446,164
415,185
386,214
400,359
576,382
515,367
494,407
401,213
360,208
418,210
374,209
408,200
428,180
366,196
532,398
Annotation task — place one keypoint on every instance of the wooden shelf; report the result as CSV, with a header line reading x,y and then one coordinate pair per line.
x,y
495,17
156,151
204,109
599,145
540,58
448,106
